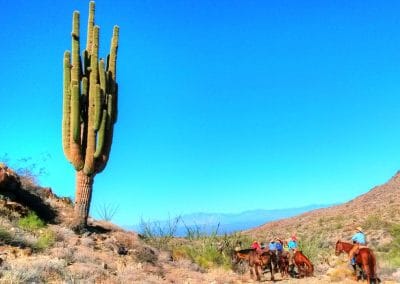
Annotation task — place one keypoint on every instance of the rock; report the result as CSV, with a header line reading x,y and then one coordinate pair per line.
x,y
8,178
122,250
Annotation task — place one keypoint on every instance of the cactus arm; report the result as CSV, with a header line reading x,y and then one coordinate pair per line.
x,y
97,108
86,62
75,71
75,78
89,40
102,76
100,135
75,149
115,106
66,105
75,113
108,135
112,65
91,133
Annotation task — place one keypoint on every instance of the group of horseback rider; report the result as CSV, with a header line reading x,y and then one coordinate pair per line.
x,y
278,247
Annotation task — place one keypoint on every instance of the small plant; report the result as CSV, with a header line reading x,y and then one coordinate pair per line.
x,y
207,250
107,211
314,247
375,222
393,255
31,222
146,255
46,239
5,236
159,234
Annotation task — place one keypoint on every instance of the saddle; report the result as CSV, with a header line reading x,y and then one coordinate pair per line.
x,y
358,249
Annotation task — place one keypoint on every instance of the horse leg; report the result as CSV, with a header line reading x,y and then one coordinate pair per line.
x,y
272,272
258,272
367,272
355,272
251,272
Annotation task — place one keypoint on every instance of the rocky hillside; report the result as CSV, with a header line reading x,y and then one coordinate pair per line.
x,y
377,212
37,246
372,211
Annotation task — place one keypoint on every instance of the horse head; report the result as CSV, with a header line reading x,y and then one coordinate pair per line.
x,y
338,248
235,257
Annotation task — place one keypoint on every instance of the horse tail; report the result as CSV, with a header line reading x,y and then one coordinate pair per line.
x,y
310,266
372,264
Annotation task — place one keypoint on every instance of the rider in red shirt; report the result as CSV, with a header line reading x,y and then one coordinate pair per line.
x,y
255,245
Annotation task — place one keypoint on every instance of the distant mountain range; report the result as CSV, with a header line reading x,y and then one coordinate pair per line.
x,y
207,223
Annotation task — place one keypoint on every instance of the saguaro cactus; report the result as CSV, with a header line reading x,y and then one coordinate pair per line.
x,y
89,110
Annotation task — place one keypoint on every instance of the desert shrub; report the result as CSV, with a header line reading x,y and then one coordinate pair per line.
x,y
179,252
393,254
5,236
106,211
374,222
340,274
207,250
31,222
29,169
46,239
34,271
315,246
159,234
146,254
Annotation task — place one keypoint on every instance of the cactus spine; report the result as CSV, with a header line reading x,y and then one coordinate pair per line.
x,y
89,110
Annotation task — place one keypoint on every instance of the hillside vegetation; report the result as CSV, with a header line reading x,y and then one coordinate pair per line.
x,y
37,244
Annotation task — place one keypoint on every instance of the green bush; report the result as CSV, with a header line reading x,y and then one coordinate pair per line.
x,y
393,255
374,222
315,246
5,236
206,250
31,222
46,239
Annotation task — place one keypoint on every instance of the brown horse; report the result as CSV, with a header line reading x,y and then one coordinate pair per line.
x,y
256,260
283,264
365,259
240,260
304,265
242,254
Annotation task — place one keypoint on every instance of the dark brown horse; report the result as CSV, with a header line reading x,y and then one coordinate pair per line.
x,y
257,261
240,260
365,259
242,254
304,265
283,264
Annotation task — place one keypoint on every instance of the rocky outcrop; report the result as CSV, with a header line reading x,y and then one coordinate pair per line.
x,y
8,178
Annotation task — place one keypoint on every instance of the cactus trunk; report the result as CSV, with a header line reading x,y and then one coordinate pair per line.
x,y
83,196
89,109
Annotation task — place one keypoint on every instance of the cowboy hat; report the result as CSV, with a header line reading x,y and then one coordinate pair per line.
x,y
359,229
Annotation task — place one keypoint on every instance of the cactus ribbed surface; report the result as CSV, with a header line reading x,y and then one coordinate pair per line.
x,y
89,109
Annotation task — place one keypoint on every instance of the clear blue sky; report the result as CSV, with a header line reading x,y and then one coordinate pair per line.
x,y
224,106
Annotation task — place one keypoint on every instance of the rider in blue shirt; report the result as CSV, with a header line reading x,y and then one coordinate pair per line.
x,y
292,244
279,246
272,246
358,239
